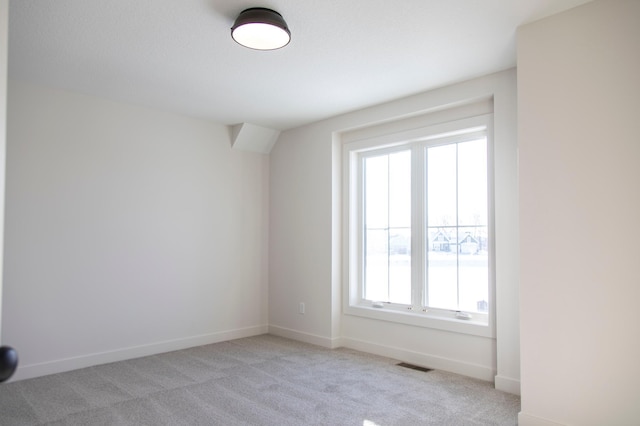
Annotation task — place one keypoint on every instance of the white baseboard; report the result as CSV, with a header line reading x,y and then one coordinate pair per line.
x,y
74,363
425,360
422,359
507,384
314,339
525,419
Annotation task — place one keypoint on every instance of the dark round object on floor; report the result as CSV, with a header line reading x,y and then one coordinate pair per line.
x,y
8,362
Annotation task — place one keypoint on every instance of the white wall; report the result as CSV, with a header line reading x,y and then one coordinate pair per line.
x,y
130,231
300,262
579,141
305,239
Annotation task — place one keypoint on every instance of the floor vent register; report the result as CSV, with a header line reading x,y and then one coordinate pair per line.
x,y
414,367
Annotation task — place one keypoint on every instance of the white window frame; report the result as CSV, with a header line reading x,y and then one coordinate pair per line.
x,y
354,303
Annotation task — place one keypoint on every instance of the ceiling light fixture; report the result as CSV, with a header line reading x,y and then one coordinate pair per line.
x,y
261,29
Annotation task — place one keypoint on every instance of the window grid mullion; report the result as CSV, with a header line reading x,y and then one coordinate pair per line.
x,y
418,276
363,216
388,228
457,233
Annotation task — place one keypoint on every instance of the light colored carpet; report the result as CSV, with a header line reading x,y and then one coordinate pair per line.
x,y
262,380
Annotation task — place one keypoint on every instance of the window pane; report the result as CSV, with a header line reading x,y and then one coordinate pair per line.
x,y
376,181
400,189
472,183
376,265
441,185
473,269
400,265
442,272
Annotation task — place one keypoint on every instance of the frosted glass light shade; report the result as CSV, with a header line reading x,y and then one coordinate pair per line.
x,y
260,28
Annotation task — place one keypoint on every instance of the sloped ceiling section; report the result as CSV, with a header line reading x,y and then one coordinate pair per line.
x,y
250,137
344,55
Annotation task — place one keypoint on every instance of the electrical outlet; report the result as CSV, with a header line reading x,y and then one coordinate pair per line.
x,y
301,308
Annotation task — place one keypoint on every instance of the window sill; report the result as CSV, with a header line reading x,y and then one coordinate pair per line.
x,y
423,319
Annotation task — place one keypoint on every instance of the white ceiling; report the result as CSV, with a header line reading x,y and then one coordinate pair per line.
x,y
344,54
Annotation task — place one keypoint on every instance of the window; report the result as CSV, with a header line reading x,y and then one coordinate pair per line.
x,y
420,224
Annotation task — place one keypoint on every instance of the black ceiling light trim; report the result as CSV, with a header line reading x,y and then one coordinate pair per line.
x,y
261,29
